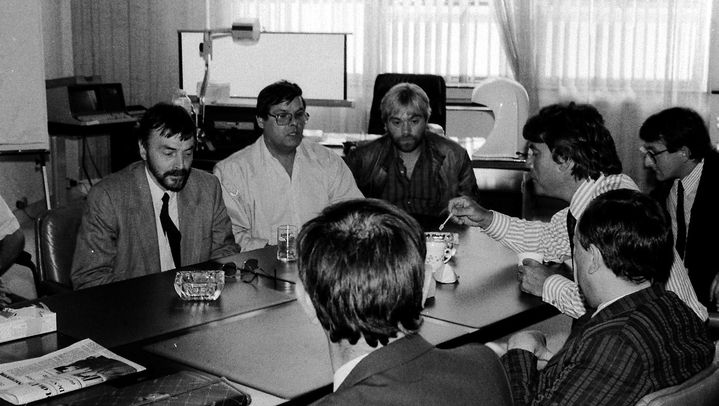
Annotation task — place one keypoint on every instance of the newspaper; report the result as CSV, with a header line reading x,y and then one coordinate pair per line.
x,y
82,364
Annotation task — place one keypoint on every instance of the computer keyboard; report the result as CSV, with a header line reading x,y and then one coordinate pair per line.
x,y
105,118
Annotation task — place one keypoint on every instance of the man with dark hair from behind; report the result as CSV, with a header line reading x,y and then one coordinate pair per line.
x,y
640,339
571,157
282,178
361,273
156,214
678,150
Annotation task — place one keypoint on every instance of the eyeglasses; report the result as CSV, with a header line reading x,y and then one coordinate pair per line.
x,y
652,154
249,272
283,119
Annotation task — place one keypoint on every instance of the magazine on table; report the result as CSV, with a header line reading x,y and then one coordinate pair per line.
x,y
80,365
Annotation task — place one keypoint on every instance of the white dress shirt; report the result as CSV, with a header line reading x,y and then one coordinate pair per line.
x,y
166,260
260,195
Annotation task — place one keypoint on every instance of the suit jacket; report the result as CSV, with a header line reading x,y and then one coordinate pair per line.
x,y
117,238
370,163
700,244
410,371
639,344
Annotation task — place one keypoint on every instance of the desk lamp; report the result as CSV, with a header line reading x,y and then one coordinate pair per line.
x,y
243,30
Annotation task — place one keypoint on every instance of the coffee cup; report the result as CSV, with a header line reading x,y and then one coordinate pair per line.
x,y
537,256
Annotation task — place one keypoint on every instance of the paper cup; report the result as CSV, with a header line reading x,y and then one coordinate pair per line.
x,y
537,256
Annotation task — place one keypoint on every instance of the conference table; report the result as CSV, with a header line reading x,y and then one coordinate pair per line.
x,y
257,335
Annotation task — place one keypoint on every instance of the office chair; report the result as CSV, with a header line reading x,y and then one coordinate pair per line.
x,y
433,85
700,390
55,235
509,103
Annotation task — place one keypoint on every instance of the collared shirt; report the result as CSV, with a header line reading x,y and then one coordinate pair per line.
x,y
343,372
260,195
166,260
607,303
552,240
418,194
8,221
690,184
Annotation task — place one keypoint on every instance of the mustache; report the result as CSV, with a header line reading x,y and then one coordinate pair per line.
x,y
176,172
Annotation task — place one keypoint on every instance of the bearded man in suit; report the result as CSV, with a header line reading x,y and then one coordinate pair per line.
x,y
156,214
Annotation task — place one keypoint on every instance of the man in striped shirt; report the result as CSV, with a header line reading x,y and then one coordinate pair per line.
x,y
572,157
640,339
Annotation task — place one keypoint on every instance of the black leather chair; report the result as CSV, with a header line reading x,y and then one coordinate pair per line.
x,y
55,235
433,85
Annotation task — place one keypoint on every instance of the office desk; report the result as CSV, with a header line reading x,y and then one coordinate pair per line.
x,y
259,337
275,350
122,151
487,295
134,310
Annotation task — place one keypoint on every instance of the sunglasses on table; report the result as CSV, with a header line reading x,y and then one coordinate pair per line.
x,y
249,272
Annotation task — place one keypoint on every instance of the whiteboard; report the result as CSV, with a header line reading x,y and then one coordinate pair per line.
x,y
315,61
23,111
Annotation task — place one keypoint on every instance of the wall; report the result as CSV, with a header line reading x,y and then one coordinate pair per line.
x,y
21,177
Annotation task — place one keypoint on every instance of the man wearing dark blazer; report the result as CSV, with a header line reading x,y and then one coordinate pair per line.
x,y
361,274
641,338
130,224
678,150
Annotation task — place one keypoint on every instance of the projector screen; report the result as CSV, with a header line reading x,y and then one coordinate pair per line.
x,y
315,61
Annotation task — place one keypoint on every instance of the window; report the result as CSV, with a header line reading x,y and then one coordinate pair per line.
x,y
457,39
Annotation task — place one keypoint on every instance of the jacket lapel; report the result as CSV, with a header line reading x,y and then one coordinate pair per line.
x,y
145,212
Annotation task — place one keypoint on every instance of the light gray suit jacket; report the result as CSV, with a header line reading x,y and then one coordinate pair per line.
x,y
117,238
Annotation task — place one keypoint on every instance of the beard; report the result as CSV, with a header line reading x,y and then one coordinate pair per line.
x,y
173,180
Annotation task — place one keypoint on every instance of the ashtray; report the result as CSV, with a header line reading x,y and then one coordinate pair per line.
x,y
199,284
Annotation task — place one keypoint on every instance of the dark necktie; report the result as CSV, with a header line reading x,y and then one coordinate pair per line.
x,y
571,224
681,224
171,231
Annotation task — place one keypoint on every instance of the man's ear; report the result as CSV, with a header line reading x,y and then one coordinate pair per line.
x,y
306,302
597,259
565,165
142,149
260,122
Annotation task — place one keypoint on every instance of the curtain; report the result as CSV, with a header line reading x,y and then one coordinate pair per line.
x,y
456,39
516,28
630,58
133,42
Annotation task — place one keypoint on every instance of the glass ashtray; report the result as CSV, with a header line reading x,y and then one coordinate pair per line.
x,y
199,285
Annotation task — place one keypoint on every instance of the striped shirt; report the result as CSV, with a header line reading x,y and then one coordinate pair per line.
x,y
552,240
691,184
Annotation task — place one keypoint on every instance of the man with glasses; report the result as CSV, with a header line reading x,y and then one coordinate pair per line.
x,y
411,166
678,150
572,157
282,178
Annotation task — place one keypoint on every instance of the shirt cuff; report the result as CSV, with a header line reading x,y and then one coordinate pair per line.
x,y
563,294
